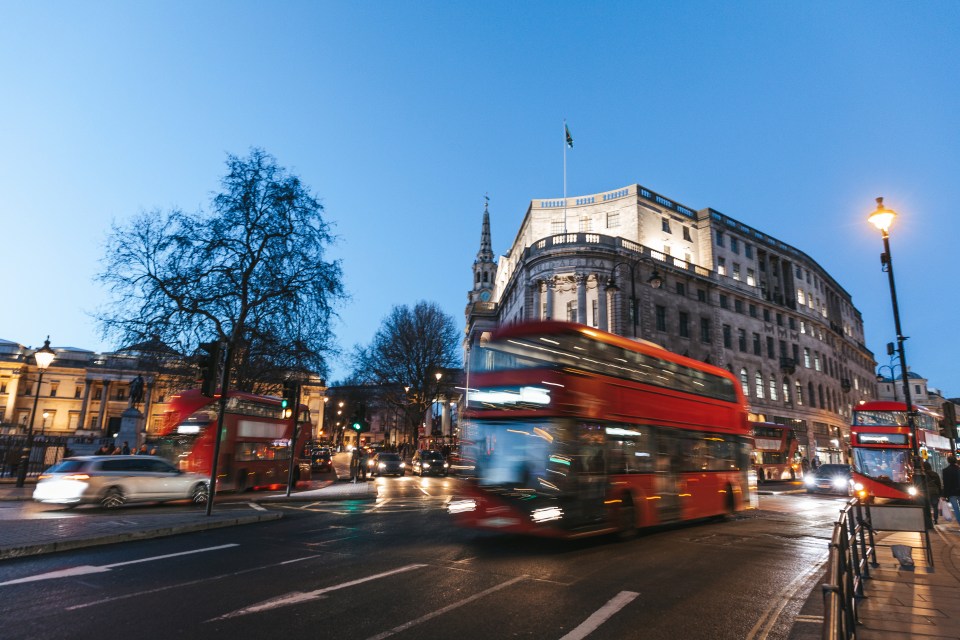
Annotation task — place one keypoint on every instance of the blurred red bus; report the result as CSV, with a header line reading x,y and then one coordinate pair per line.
x,y
776,451
254,448
570,431
880,446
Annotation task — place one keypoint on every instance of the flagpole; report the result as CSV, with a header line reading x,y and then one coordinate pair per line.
x,y
564,175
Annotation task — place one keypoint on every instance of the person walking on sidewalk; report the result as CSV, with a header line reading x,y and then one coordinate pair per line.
x,y
951,485
934,489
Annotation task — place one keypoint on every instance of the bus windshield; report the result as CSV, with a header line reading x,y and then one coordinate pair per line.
x,y
882,464
515,453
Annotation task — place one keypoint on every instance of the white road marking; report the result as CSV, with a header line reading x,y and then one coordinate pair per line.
x,y
450,607
88,569
256,506
379,503
140,594
297,597
764,625
601,615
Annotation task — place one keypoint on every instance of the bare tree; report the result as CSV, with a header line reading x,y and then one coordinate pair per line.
x,y
409,349
250,273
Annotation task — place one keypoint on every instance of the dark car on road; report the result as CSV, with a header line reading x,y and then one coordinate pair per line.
x,y
386,463
321,461
428,462
829,478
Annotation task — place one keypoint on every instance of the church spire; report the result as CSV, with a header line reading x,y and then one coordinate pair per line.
x,y
486,250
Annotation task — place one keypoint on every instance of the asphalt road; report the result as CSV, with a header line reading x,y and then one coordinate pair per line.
x,y
397,568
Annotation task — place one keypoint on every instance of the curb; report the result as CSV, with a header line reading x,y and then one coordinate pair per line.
x,y
138,534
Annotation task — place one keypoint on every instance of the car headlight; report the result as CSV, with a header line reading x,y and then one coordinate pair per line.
x,y
841,483
383,466
810,480
445,465
426,465
912,491
403,464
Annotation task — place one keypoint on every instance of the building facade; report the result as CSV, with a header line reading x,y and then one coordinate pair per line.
x,y
697,282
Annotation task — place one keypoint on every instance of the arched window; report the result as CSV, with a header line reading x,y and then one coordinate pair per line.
x,y
812,400
758,384
773,388
798,393
820,395
744,382
786,391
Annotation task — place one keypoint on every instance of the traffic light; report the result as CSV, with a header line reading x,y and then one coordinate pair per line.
x,y
358,424
289,397
209,363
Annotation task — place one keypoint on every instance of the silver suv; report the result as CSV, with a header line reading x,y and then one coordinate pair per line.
x,y
115,480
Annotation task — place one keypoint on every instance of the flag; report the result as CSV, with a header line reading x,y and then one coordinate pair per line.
x,y
569,137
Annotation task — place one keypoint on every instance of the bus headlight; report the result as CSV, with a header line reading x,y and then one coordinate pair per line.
x,y
461,506
809,480
546,514
912,491
858,486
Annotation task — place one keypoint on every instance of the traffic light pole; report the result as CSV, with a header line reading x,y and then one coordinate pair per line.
x,y
293,440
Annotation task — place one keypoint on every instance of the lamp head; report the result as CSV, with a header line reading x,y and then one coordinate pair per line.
x,y
882,218
655,280
44,355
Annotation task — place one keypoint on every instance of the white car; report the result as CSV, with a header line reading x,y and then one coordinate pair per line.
x,y
112,481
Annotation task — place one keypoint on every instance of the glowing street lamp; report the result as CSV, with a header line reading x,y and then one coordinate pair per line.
x,y
882,218
44,357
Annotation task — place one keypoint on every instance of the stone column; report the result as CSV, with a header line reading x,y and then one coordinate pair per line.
x,y
602,301
537,309
550,283
87,384
104,399
581,280
445,417
8,413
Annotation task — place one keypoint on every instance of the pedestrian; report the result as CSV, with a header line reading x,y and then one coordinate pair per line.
x,y
143,450
951,486
104,450
126,448
805,465
934,489
354,464
362,465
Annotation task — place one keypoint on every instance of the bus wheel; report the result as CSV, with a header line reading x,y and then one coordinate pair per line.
x,y
626,519
112,499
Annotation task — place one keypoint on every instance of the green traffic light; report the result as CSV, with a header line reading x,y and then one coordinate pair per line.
x,y
356,426
283,403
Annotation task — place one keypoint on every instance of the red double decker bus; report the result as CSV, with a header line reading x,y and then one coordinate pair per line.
x,y
776,451
570,431
255,446
881,446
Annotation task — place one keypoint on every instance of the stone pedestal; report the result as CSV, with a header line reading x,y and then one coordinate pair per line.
x,y
131,429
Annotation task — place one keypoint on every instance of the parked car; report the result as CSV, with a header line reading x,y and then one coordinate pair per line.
x,y
321,461
112,481
429,462
386,463
830,478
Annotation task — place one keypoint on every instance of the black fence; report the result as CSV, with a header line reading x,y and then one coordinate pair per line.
x,y
46,451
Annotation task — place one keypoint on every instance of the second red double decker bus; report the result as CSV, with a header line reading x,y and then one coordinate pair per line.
x,y
255,450
572,431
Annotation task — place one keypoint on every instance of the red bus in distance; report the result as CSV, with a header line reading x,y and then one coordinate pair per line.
x,y
570,431
255,445
776,451
880,445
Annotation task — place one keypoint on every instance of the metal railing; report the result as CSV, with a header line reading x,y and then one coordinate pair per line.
x,y
848,567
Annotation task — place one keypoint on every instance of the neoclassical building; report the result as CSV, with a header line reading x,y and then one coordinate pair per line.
x,y
697,282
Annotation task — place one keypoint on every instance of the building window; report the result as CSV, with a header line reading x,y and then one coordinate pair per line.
x,y
613,219
792,322
556,227
816,361
734,245
736,271
686,234
665,225
770,351
744,383
593,312
803,327
684,322
723,301
705,330
719,238
786,391
757,345
748,250
726,336
751,278
701,295
779,319
766,315
806,357
681,289
758,385
773,388
742,340
586,224
738,305
661,313
753,311
801,298
798,393
3,386
721,266
53,389
811,398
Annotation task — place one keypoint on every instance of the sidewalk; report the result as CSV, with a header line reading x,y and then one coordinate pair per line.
x,y
64,530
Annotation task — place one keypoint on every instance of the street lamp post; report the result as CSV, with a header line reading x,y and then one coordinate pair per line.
x,y
654,281
893,380
44,357
43,425
882,218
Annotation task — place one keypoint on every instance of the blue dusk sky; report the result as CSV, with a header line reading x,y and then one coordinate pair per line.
x,y
401,116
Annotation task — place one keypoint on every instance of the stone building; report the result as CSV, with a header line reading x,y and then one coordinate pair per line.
x,y
697,282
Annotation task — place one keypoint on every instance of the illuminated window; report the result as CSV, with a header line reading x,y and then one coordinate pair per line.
x,y
758,384
798,392
773,388
744,382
